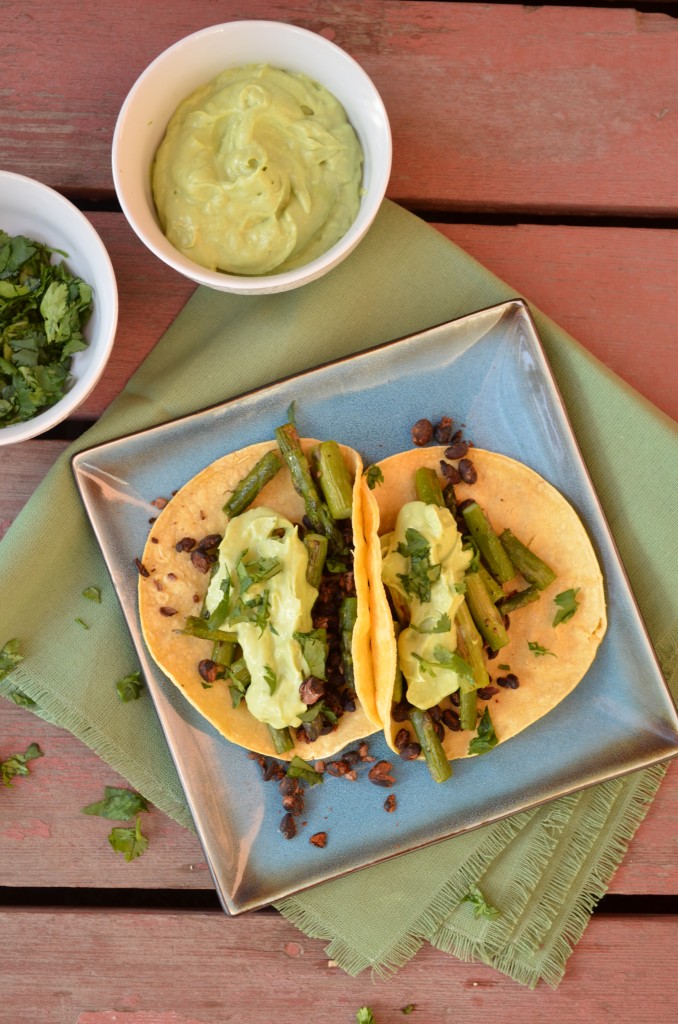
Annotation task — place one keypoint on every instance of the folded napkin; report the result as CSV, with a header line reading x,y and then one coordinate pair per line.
x,y
544,869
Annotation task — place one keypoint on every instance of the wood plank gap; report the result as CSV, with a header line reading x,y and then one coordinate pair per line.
x,y
668,7
207,900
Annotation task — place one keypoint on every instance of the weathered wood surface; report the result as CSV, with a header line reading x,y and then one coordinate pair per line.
x,y
88,967
502,108
42,825
611,288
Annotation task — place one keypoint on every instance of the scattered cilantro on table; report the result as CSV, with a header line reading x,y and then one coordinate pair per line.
x,y
17,764
118,804
130,687
481,908
92,594
129,841
43,310
365,1016
10,656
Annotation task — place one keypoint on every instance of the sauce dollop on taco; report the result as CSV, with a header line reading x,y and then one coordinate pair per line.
x,y
487,601
255,604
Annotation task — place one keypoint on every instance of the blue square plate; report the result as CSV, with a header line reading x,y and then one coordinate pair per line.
x,y
488,371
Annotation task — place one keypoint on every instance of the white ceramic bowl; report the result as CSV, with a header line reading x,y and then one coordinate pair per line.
x,y
27,207
194,61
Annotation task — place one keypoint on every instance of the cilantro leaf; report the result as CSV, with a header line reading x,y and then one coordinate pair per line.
x,y
486,737
538,650
442,658
410,1008
300,769
373,475
130,687
481,908
271,678
417,583
22,699
17,764
118,804
129,841
443,625
567,605
316,709
314,649
365,1016
10,656
92,594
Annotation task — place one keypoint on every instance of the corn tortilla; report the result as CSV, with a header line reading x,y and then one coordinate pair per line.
x,y
513,496
173,582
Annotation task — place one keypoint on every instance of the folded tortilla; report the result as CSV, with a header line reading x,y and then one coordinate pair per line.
x,y
513,496
173,583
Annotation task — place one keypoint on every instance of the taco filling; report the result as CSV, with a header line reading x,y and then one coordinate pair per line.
x,y
253,597
487,601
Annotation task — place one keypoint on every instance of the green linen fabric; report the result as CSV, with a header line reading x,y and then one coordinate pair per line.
x,y
544,869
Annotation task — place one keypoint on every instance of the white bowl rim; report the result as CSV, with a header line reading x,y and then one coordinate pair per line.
x,y
83,385
255,284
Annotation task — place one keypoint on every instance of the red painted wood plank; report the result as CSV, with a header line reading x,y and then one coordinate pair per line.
x,y
45,840
612,288
101,967
493,107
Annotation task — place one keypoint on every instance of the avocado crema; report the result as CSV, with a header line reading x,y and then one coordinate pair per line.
x,y
259,172
260,584
424,563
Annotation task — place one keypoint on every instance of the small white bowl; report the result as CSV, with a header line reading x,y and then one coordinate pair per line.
x,y
194,61
27,207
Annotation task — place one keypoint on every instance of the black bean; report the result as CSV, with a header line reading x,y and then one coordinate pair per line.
x,y
451,720
510,681
400,712
486,692
185,544
422,432
390,803
380,775
293,804
288,827
468,471
442,431
457,450
311,690
402,738
450,472
410,752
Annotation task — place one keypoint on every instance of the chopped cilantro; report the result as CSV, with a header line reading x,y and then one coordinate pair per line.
x,y
118,804
373,475
537,650
17,764
506,668
317,709
314,649
22,699
92,594
486,737
130,687
417,583
410,1008
443,625
300,769
43,310
365,1016
10,656
567,605
442,658
81,622
129,841
271,678
481,908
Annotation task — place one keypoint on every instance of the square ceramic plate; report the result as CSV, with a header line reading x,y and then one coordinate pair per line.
x,y
489,372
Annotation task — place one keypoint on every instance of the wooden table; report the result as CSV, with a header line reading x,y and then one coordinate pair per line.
x,y
542,139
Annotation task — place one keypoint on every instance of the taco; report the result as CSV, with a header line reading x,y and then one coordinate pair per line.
x,y
261,621
468,652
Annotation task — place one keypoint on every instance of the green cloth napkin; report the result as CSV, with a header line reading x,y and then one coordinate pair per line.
x,y
542,870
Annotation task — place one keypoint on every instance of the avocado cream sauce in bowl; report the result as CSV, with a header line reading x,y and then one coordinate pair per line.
x,y
259,171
